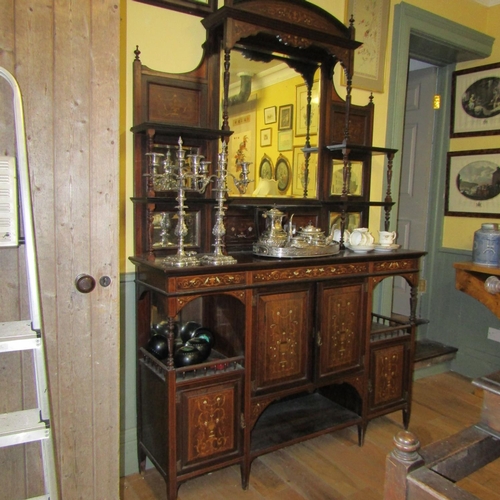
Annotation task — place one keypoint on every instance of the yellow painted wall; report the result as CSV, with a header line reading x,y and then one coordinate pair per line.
x,y
171,41
459,231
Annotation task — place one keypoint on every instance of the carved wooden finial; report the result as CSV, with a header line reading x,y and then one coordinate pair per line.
x,y
407,446
371,97
137,52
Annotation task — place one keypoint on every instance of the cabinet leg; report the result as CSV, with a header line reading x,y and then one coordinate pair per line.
x,y
245,473
361,434
172,490
406,418
142,460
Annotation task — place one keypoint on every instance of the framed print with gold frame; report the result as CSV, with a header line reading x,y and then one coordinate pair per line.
x,y
353,220
299,171
355,183
371,24
283,174
301,110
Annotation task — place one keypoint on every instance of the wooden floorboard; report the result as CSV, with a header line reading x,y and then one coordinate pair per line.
x,y
334,467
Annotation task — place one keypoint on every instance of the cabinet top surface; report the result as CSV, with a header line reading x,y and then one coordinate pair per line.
x,y
248,261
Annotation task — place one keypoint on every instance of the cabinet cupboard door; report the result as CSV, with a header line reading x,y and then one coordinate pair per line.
x,y
388,375
340,330
208,417
282,339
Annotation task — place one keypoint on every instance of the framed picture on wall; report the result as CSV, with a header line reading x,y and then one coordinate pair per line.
x,y
473,183
475,101
301,110
285,117
270,115
194,7
370,21
299,177
265,137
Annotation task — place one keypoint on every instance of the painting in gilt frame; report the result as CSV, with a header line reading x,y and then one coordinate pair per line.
x,y
473,183
195,7
475,101
370,22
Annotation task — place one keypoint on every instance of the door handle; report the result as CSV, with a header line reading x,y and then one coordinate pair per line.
x,y
84,283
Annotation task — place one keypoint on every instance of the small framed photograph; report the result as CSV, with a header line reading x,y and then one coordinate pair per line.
x,y
475,101
270,115
473,183
285,117
194,7
285,140
265,137
354,183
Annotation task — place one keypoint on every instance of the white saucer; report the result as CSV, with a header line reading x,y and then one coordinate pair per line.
x,y
360,248
386,248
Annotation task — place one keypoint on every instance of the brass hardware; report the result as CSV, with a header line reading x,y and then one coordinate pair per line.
x,y
319,341
437,101
84,283
422,286
242,421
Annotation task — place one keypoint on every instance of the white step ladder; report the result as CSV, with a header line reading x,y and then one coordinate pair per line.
x,y
34,424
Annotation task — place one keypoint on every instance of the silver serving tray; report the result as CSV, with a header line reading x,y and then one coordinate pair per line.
x,y
294,252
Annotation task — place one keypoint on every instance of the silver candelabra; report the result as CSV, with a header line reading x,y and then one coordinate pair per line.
x,y
243,181
190,172
218,257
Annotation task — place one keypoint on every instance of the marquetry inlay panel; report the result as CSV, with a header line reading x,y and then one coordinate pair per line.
x,y
282,335
314,272
211,423
388,374
203,282
339,336
395,265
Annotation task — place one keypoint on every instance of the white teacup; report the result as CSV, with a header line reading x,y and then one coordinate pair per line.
x,y
387,238
361,237
337,234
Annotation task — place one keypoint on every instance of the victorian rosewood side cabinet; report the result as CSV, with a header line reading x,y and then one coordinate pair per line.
x,y
299,348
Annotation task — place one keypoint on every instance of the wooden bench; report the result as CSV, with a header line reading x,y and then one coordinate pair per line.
x,y
414,473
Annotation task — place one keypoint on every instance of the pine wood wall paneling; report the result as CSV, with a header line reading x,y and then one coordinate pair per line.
x,y
20,473
72,192
67,63
33,48
104,193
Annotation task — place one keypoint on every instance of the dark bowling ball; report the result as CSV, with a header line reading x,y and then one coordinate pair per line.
x,y
158,346
187,355
188,330
202,345
163,329
206,334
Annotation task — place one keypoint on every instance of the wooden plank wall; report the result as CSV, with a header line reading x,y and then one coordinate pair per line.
x,y
65,56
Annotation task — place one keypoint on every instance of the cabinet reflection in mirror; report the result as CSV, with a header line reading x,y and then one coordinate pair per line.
x,y
164,230
272,97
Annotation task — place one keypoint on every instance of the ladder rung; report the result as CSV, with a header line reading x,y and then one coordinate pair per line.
x,y
18,336
22,427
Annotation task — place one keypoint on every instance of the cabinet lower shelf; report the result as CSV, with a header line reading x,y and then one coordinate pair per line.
x,y
295,419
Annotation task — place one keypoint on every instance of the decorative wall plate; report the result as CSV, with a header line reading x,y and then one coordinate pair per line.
x,y
266,169
283,173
